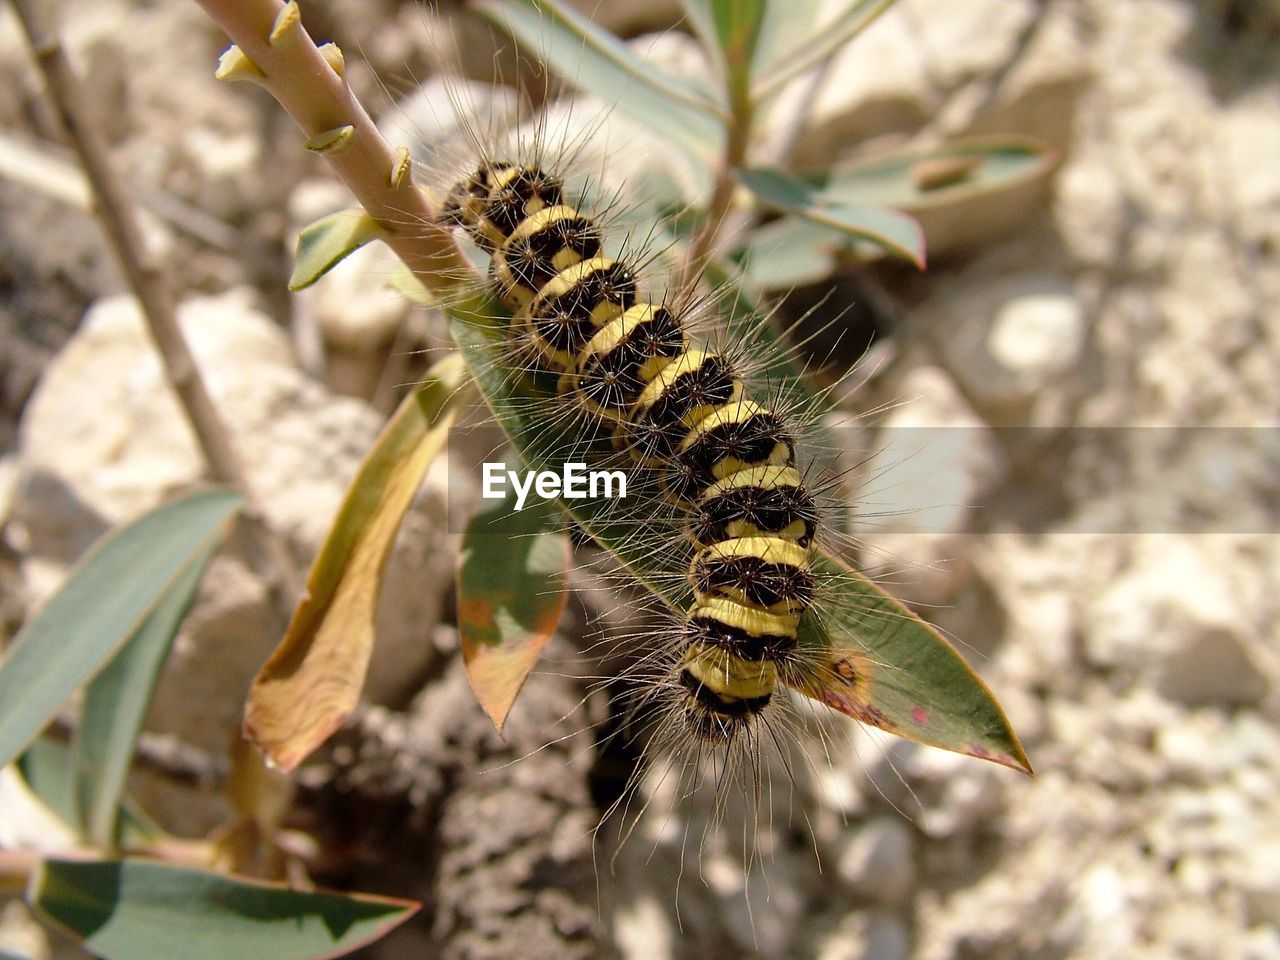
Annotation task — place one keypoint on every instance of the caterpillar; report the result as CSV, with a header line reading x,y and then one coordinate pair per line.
x,y
727,462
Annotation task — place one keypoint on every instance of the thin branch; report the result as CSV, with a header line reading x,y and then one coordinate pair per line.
x,y
738,135
117,213
272,48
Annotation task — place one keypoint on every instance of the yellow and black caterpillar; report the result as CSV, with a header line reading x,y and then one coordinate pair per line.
x,y
671,405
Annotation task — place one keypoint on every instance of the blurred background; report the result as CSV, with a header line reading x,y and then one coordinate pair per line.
x,y
1100,352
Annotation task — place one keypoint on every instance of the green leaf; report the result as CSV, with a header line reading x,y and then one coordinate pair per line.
x,y
896,232
324,244
116,703
403,281
788,253
132,909
46,766
594,60
869,657
964,193
702,21
817,46
915,669
104,601
511,594
312,680
786,26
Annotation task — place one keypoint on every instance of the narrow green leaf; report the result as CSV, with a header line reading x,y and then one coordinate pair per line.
x,y
103,602
984,166
785,27
702,21
116,703
46,766
327,242
511,594
827,40
964,193
403,281
594,60
896,232
132,909
920,686
312,680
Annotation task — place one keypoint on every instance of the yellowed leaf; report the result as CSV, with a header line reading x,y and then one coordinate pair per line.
x,y
312,680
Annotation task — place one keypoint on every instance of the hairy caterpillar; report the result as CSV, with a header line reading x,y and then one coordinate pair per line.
x,y
677,407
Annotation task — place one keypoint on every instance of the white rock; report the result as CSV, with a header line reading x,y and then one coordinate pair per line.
x,y
1008,331
877,860
887,939
1259,881
642,930
767,914
27,823
1262,944
1102,909
1040,94
1191,750
357,316
932,457
1212,665
1038,336
1171,590
922,486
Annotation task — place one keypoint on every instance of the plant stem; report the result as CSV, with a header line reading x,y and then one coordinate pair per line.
x,y
313,92
738,135
117,213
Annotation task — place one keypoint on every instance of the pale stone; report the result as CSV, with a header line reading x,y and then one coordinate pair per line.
x,y
877,861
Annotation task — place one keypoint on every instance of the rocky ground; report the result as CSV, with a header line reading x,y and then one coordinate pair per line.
x,y
1114,579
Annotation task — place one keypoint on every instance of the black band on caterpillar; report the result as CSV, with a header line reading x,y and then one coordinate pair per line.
x,y
671,405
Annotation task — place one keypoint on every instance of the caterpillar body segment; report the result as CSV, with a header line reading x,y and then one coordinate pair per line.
x,y
497,198
723,692
694,385
612,370
546,243
730,438
727,462
765,573
769,501
571,307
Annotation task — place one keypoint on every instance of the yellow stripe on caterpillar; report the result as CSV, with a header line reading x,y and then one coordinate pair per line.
x,y
768,501
744,617
687,363
766,573
772,475
730,677
769,549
